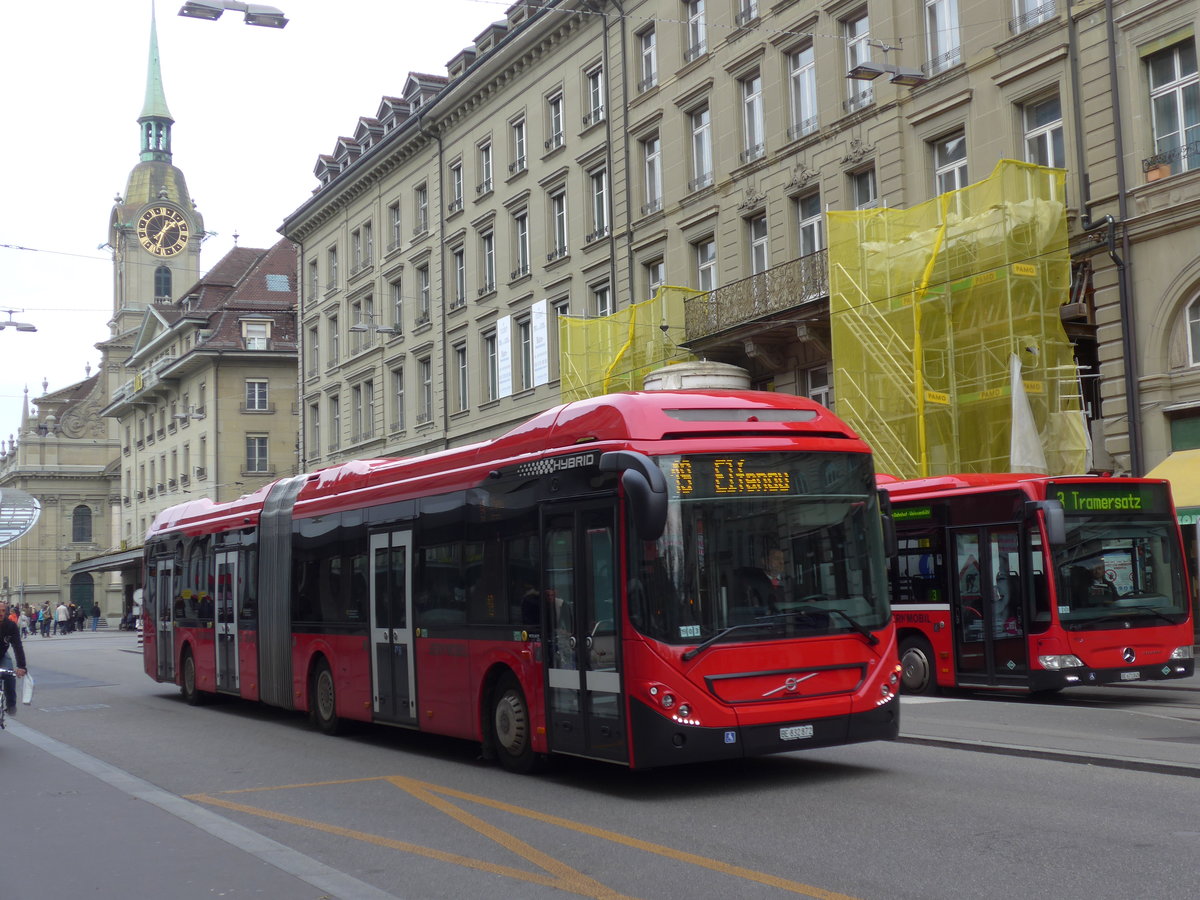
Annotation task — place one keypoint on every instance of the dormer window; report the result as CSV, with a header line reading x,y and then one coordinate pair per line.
x,y
256,335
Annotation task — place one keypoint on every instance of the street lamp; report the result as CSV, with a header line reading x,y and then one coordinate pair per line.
x,y
255,13
869,71
20,326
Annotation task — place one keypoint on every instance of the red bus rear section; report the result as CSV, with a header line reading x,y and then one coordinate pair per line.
x,y
649,579
1037,583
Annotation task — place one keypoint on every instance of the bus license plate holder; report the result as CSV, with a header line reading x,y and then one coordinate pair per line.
x,y
795,732
1130,676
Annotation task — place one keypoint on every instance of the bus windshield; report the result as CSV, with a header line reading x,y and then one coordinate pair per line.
x,y
766,544
1121,560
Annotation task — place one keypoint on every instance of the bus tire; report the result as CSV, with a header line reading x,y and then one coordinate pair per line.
x,y
322,700
512,730
917,668
187,680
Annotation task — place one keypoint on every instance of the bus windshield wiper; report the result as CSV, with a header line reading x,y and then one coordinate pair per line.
x,y
720,635
1116,617
804,610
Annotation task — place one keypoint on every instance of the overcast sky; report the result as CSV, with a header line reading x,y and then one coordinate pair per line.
x,y
253,108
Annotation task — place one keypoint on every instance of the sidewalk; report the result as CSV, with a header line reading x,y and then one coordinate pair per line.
x,y
134,838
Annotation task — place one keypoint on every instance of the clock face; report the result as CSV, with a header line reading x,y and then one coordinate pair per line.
x,y
163,231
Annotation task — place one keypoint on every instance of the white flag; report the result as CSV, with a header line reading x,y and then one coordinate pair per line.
x,y
1025,447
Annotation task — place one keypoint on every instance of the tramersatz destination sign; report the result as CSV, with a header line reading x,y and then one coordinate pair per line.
x,y
1111,499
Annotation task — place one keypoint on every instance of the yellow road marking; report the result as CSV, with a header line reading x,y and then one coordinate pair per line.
x,y
565,877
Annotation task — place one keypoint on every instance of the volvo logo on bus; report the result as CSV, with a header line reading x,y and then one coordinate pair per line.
x,y
790,684
557,464
1128,654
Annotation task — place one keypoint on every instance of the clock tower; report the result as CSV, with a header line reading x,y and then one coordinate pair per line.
x,y
155,230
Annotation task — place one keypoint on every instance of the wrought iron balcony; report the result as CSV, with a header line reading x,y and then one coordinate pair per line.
x,y
777,290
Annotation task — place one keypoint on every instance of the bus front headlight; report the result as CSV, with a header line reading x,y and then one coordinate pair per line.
x,y
1182,652
1063,661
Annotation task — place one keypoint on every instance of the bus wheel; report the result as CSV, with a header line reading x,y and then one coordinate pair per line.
x,y
511,728
322,700
916,662
187,683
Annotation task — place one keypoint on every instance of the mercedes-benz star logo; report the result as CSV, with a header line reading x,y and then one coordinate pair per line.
x,y
1128,654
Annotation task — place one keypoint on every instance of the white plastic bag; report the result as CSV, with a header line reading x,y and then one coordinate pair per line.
x,y
27,688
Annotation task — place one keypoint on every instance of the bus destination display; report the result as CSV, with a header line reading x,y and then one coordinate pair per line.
x,y
1086,499
726,476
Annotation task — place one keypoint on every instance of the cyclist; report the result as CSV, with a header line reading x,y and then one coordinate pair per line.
x,y
10,646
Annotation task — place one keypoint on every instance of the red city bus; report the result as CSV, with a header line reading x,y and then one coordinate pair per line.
x,y
644,578
1038,583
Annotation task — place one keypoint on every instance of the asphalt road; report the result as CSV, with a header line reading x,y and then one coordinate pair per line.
x,y
1089,795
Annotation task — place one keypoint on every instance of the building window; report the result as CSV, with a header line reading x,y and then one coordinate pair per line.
x,y
753,125
487,253
81,524
332,267
313,351
521,241
456,188
256,335
656,276
162,283
595,96
554,121
461,391
334,341
485,169
1175,106
256,395
398,415
695,42
1044,133
314,280
652,168
1030,13
602,300
802,79
395,224
950,163
857,32
335,422
491,358
706,264
863,191
702,157
423,295
942,41
256,453
518,148
811,223
421,210
314,431
525,352
458,261
558,224
598,189
1193,324
425,401
648,49
747,11
817,387
363,399
757,230
396,290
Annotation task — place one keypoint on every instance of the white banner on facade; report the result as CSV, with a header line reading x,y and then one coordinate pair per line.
x,y
539,321
504,357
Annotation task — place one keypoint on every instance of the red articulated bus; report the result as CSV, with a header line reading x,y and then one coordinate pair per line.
x,y
1038,583
645,578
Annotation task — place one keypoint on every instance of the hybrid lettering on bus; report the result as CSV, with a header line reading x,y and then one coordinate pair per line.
x,y
1037,583
645,578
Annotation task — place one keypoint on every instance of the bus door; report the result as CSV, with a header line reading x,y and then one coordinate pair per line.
x,y
584,702
164,622
227,589
393,681
987,606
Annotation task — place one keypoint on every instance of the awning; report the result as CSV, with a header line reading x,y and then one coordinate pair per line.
x,y
109,562
1182,469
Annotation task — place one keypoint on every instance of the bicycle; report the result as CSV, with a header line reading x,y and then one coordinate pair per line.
x,y
5,675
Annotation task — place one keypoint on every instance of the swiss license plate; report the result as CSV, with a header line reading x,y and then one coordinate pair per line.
x,y
1130,676
795,732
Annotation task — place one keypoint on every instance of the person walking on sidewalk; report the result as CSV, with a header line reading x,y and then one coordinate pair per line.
x,y
95,616
61,617
10,647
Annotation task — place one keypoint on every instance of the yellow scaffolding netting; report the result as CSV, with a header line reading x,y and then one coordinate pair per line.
x,y
599,355
928,307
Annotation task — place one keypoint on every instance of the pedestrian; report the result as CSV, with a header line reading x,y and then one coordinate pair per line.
x,y
46,617
23,623
95,616
61,614
80,615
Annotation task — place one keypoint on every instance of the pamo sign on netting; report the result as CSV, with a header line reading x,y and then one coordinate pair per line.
x,y
19,512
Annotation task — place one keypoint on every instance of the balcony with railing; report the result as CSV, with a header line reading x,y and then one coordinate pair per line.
x,y
778,290
1031,18
1171,162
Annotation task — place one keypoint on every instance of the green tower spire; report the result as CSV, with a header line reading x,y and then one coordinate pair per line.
x,y
155,120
